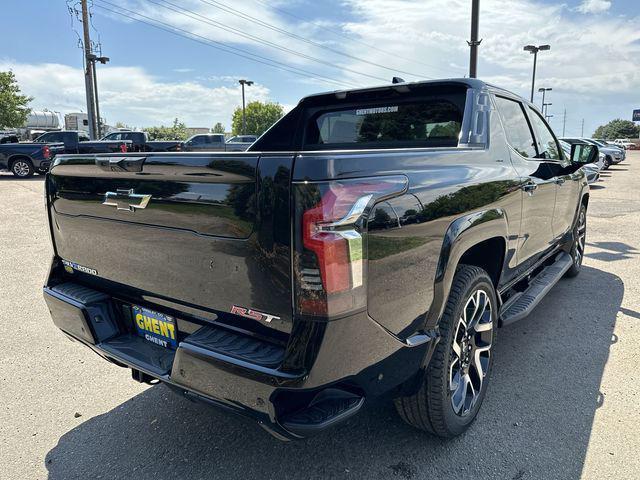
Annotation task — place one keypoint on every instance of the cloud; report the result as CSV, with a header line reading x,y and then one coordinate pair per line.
x,y
594,6
131,95
592,65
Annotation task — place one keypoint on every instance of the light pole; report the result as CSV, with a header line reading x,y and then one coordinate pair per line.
x,y
474,43
545,108
248,83
544,91
534,50
103,61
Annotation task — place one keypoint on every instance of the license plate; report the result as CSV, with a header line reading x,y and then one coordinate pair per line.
x,y
155,327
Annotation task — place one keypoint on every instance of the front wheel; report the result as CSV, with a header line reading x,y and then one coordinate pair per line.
x,y
22,168
607,163
456,379
579,243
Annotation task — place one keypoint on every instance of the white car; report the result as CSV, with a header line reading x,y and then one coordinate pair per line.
x,y
625,143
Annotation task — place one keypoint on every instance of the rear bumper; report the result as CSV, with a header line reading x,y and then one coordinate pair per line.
x,y
354,359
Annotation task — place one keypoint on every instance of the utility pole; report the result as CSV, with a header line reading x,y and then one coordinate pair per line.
x,y
474,43
564,121
582,129
244,120
534,51
89,71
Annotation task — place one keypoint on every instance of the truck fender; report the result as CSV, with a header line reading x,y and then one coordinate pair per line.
x,y
462,234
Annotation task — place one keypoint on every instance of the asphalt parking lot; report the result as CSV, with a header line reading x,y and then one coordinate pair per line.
x,y
563,402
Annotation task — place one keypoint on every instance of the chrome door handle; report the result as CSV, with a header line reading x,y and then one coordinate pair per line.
x,y
530,187
559,181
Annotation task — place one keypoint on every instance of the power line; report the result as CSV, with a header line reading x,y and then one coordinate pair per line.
x,y
219,45
341,34
204,19
238,13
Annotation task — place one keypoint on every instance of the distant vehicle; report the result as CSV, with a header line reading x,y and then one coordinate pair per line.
x,y
626,143
140,142
614,154
611,154
215,142
25,159
9,138
79,142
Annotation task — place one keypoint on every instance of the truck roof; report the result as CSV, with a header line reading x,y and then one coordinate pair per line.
x,y
467,82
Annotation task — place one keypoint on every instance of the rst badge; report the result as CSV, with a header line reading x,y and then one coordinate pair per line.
x,y
255,315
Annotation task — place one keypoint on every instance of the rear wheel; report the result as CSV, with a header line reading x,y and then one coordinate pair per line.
x,y
456,379
22,168
579,243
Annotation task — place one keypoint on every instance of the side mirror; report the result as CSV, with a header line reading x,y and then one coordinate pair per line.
x,y
583,154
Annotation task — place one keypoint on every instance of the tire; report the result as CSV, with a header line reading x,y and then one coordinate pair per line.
x,y
579,242
607,162
442,406
22,168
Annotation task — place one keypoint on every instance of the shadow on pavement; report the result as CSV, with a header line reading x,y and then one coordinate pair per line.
x,y
612,251
535,423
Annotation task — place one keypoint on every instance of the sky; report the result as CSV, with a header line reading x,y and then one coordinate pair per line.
x,y
183,58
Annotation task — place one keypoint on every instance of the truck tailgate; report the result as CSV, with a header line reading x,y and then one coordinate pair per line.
x,y
207,231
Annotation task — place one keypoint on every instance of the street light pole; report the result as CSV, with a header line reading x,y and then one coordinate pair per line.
x,y
544,90
102,60
474,43
534,50
244,120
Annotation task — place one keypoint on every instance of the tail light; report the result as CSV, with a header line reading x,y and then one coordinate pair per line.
x,y
123,148
330,247
46,152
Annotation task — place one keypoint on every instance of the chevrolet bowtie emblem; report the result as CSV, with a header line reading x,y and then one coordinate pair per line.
x,y
126,200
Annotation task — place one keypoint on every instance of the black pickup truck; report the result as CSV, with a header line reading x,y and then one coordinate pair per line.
x,y
78,142
140,142
369,244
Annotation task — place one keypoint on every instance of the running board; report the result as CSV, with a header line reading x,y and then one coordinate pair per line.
x,y
526,301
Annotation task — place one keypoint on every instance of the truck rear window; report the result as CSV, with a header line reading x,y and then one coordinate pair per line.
x,y
433,122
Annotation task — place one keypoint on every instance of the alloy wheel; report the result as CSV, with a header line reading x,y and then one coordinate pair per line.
x,y
471,352
21,168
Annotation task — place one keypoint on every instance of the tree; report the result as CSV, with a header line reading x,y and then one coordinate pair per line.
x,y
259,116
218,128
617,128
176,132
13,106
122,125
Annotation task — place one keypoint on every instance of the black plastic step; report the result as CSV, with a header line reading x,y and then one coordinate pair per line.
x,y
243,347
326,409
139,353
526,301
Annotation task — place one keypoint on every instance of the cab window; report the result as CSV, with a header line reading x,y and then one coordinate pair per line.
x,y
516,127
547,144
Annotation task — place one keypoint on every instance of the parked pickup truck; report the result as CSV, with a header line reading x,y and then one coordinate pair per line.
x,y
370,243
78,142
214,142
25,159
140,142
